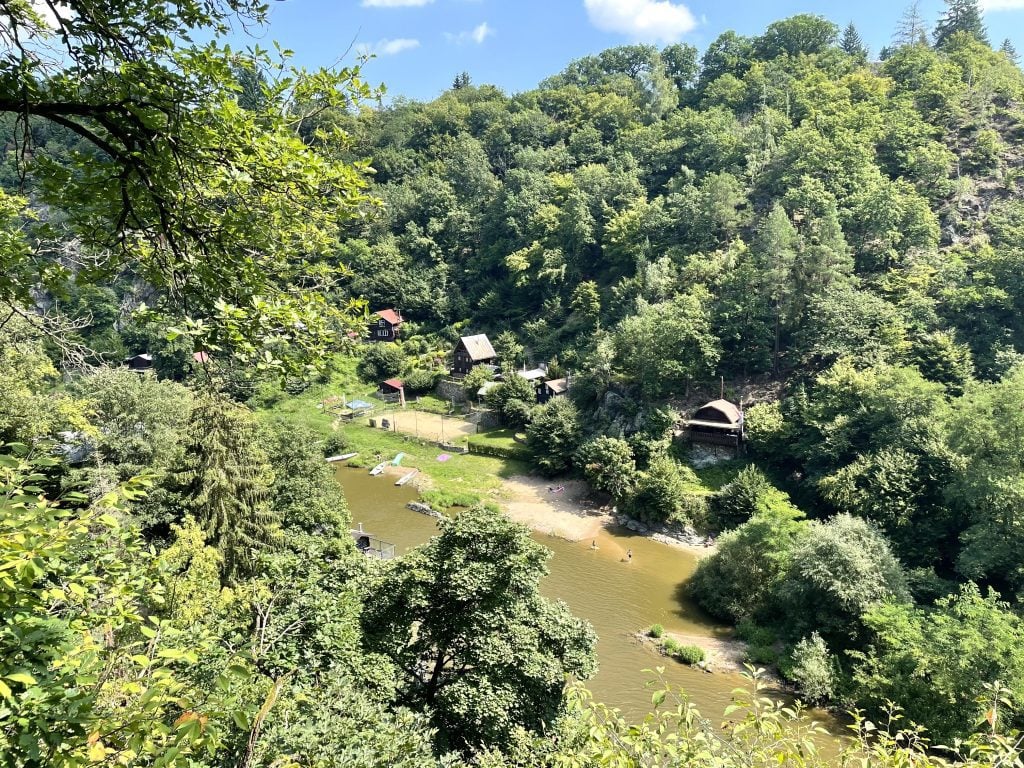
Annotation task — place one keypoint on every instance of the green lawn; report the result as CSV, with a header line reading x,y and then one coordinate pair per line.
x,y
462,480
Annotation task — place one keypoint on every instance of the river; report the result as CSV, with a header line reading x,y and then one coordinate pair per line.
x,y
617,597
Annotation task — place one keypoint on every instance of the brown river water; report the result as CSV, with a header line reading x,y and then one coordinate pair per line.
x,y
617,597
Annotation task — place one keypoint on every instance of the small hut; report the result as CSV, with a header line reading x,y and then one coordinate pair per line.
x,y
143,362
393,390
554,388
717,423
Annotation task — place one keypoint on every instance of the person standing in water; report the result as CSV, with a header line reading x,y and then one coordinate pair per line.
x,y
629,555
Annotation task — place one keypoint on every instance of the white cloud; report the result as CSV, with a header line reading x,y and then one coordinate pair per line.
x,y
650,20
389,47
481,32
477,34
395,3
1002,5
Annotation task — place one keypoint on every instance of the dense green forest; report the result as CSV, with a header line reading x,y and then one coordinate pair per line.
x,y
837,239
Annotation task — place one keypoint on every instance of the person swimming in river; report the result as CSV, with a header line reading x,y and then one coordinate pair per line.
x,y
593,544
629,555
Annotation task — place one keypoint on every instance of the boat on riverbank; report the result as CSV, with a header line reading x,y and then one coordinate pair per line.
x,y
379,468
406,477
342,457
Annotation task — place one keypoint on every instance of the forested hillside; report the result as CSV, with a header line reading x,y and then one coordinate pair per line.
x,y
835,241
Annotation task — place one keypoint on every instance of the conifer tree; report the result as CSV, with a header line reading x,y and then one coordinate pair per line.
x,y
960,16
911,27
226,480
1008,48
853,44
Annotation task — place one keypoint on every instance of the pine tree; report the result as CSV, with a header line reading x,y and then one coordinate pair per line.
x,y
1008,48
225,482
461,80
853,44
911,27
960,16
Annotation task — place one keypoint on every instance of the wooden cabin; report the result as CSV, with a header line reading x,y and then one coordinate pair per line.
x,y
386,325
554,388
717,423
143,362
470,352
393,390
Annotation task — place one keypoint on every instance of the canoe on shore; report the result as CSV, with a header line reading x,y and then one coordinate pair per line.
x,y
407,477
379,468
342,457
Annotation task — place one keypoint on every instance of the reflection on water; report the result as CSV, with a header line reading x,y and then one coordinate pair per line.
x,y
617,597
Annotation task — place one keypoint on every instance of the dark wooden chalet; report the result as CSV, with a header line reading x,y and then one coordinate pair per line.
x,y
386,325
717,423
143,362
470,352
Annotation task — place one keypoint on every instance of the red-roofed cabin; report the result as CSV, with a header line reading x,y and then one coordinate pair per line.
x,y
201,358
386,325
393,390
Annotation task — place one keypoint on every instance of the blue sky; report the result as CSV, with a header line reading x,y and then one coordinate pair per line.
x,y
420,45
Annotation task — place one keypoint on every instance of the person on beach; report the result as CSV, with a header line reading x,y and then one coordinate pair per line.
x,y
593,544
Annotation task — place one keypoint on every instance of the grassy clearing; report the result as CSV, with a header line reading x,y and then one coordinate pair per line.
x,y
499,442
461,481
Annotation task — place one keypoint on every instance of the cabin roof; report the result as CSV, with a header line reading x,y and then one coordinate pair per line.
x,y
558,386
729,411
144,356
533,375
390,316
201,357
394,383
478,347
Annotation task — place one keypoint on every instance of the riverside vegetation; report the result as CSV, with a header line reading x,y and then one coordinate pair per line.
x,y
177,579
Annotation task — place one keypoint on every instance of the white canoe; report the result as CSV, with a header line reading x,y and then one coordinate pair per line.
x,y
379,468
406,477
342,457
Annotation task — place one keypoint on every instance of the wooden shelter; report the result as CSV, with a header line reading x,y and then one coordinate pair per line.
x,y
553,388
717,423
470,352
143,362
393,390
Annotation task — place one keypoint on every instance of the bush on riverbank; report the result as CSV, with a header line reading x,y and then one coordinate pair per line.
x,y
684,654
656,631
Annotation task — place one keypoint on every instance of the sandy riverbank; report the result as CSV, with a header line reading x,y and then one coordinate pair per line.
x,y
573,513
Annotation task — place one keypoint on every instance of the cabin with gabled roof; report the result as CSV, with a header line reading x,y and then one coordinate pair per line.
x,y
470,352
386,325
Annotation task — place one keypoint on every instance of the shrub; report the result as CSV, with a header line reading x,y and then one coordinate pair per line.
x,y
335,444
670,645
420,381
380,361
689,654
761,654
754,634
813,669
655,631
